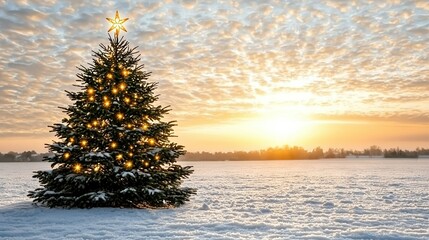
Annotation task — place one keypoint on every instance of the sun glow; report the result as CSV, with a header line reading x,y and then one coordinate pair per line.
x,y
259,131
279,129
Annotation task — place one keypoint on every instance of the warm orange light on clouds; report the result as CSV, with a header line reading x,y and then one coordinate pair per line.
x,y
238,75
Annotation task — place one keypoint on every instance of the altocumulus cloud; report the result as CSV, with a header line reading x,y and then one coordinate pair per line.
x,y
224,60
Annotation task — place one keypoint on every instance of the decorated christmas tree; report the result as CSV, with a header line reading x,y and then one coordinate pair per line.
x,y
113,148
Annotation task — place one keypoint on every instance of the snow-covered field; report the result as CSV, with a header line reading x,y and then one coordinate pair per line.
x,y
324,199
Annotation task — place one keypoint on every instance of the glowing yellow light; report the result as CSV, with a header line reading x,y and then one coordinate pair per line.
x,y
120,66
146,117
77,167
91,98
125,72
157,157
83,143
129,125
145,126
131,147
120,116
122,86
127,100
71,140
88,125
119,156
146,163
130,154
151,141
109,76
117,24
113,145
94,123
103,123
98,80
106,103
114,90
66,155
97,168
90,90
128,164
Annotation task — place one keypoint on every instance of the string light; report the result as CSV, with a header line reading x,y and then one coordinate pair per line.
x,y
146,163
66,155
106,103
151,141
83,143
94,123
90,90
109,76
71,140
128,164
97,168
88,125
114,91
145,126
113,145
91,98
98,80
127,100
157,157
120,66
125,73
129,125
119,157
120,116
77,167
130,154
122,86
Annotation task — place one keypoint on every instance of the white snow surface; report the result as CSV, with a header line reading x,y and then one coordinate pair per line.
x,y
319,199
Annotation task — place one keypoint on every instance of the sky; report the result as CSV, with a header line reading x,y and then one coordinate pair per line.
x,y
238,75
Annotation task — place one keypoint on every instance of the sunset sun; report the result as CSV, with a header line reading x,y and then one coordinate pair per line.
x,y
278,129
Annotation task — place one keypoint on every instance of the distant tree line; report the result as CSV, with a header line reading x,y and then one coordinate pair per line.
x,y
274,153
291,153
26,156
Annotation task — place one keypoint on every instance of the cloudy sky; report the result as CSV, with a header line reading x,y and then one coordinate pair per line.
x,y
239,75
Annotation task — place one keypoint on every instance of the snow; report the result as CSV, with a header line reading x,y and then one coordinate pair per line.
x,y
127,174
323,199
153,191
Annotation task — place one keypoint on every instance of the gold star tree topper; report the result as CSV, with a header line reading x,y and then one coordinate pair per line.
x,y
117,24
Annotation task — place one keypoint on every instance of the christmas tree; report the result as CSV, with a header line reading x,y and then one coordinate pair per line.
x,y
113,148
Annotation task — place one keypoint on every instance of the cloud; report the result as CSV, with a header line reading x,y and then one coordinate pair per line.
x,y
224,59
